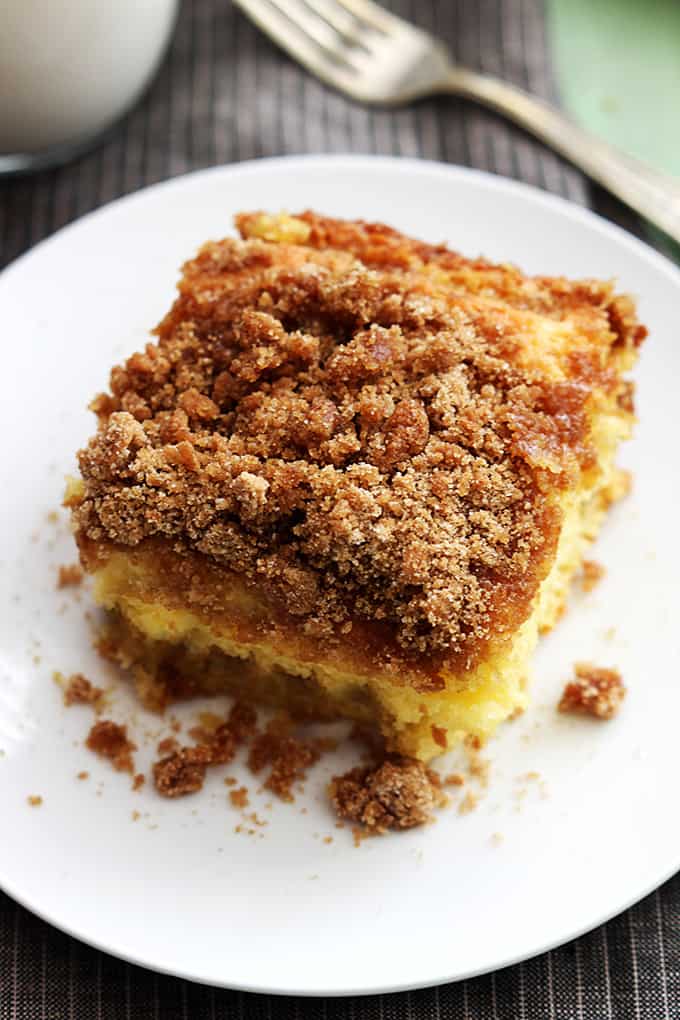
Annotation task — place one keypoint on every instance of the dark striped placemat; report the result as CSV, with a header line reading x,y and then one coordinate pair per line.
x,y
226,94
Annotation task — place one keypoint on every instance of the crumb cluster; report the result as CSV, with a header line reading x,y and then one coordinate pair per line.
x,y
591,574
399,793
595,691
349,429
110,740
78,690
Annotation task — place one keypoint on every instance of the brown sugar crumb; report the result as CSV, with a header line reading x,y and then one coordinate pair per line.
x,y
70,575
83,775
468,804
136,816
167,745
328,839
230,781
288,757
138,781
182,771
398,794
34,801
239,798
109,740
594,691
80,691
454,779
592,572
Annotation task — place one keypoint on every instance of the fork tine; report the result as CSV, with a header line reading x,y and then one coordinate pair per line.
x,y
329,65
337,16
318,29
373,15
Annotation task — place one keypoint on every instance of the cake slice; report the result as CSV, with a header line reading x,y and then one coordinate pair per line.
x,y
354,476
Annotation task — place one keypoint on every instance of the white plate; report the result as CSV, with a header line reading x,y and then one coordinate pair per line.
x,y
180,891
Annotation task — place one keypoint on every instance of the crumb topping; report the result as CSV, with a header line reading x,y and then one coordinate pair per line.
x,y
81,691
110,740
182,771
342,425
591,574
594,691
400,793
287,756
69,576
239,798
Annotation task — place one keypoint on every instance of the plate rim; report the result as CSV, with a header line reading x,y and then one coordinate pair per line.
x,y
508,187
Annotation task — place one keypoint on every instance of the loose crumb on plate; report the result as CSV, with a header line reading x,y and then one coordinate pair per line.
x,y
239,798
595,691
468,803
70,575
592,573
400,793
138,781
78,690
167,745
109,740
34,801
83,775
183,771
454,779
289,758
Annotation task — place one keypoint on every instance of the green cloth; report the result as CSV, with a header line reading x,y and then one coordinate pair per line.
x,y
618,72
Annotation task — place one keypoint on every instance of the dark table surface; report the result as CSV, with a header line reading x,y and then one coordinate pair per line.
x,y
225,94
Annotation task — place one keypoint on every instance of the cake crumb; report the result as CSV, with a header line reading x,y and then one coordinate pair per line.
x,y
83,775
138,781
454,779
78,690
328,839
591,573
468,803
595,691
230,781
167,745
288,758
400,793
182,772
239,798
136,816
34,800
109,740
70,575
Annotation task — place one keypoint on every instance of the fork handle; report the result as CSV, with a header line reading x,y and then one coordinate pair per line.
x,y
654,195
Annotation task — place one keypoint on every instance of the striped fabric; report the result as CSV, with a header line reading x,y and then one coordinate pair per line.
x,y
226,94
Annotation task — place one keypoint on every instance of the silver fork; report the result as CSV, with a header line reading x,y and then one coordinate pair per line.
x,y
373,56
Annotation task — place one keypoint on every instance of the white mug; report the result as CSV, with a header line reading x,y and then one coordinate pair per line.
x,y
69,69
